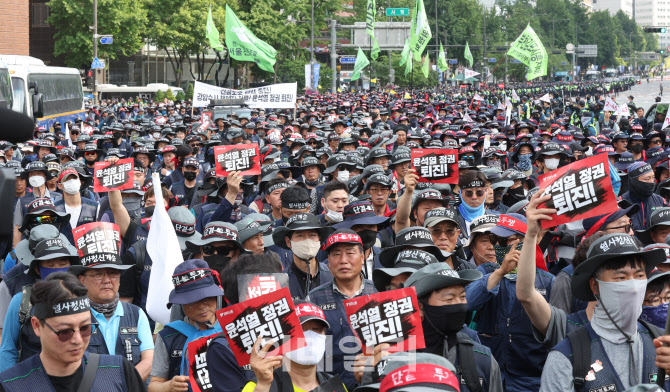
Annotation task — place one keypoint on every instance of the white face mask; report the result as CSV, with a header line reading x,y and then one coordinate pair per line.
x,y
343,176
503,145
36,181
305,249
312,353
461,140
157,135
551,164
335,216
589,151
71,187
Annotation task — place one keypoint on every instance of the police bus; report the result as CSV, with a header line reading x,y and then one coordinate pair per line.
x,y
5,87
112,91
45,94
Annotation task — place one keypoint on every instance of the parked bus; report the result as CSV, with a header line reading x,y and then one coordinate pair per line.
x,y
112,91
611,75
5,87
45,94
562,76
593,76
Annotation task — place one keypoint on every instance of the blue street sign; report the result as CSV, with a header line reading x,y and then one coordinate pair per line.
x,y
564,63
348,60
106,40
97,64
625,59
453,61
515,61
493,60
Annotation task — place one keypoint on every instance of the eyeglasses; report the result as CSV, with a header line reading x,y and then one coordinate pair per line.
x,y
65,335
219,250
656,141
46,219
438,233
471,193
99,275
379,190
89,153
626,228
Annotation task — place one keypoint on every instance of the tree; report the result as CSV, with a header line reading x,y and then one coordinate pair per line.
x,y
124,19
170,95
180,96
189,91
159,96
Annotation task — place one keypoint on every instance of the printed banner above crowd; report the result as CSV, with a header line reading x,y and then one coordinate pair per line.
x,y
274,96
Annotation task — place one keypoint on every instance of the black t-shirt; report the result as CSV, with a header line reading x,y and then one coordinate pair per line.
x,y
188,196
71,383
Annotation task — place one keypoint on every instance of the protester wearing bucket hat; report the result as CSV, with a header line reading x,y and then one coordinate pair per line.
x,y
252,230
303,235
302,366
345,262
219,245
184,225
641,184
614,273
378,186
657,293
413,237
197,291
658,229
311,172
407,262
443,225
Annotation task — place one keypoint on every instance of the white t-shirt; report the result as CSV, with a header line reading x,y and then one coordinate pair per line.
x,y
74,214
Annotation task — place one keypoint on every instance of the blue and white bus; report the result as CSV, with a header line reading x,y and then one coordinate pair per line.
x,y
5,87
46,94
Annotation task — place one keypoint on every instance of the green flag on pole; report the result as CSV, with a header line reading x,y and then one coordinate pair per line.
x,y
467,54
404,55
375,49
529,50
212,33
408,65
361,62
370,18
420,33
425,68
243,45
442,60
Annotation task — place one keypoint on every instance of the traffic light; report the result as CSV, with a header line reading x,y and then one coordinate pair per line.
x,y
661,51
654,30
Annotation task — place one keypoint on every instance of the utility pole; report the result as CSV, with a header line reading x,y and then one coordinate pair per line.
x,y
311,61
95,50
333,55
484,59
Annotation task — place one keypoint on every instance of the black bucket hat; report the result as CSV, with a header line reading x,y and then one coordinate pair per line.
x,y
414,236
407,261
438,276
299,222
360,213
193,281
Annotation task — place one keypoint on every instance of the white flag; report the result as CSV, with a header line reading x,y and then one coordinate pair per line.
x,y
508,103
466,117
478,97
508,115
468,73
623,111
546,98
163,247
666,122
610,105
514,95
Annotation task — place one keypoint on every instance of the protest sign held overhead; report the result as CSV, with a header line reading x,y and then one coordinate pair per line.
x,y
276,96
578,191
255,285
271,317
611,106
197,364
108,177
389,317
436,165
239,157
98,243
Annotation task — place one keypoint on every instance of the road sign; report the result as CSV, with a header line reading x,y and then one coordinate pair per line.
x,y
625,59
453,61
106,40
98,64
347,59
564,63
492,60
587,51
515,61
397,12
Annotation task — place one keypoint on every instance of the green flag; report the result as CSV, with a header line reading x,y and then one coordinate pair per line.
x,y
442,60
467,54
212,33
370,18
529,50
420,33
375,49
425,68
404,55
361,62
243,45
408,65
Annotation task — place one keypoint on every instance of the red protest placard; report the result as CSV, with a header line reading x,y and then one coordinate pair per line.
x,y
578,191
255,285
389,317
271,316
436,165
238,157
197,364
108,177
98,243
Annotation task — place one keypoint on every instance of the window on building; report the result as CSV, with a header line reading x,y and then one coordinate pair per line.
x,y
40,15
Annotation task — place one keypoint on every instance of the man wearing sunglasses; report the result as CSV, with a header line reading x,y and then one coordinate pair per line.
x,y
62,322
219,245
472,186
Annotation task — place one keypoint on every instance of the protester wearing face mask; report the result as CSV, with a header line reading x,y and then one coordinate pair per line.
x,y
615,274
335,198
503,323
636,146
549,158
81,209
523,158
657,295
303,235
185,189
91,154
443,304
132,201
339,168
219,245
299,366
472,186
641,184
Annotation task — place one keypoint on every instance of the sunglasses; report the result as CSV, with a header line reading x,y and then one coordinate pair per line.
x,y
471,193
47,219
65,335
219,250
89,153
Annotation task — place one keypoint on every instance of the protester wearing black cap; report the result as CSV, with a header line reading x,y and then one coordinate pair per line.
x,y
62,321
641,184
303,235
378,186
185,189
658,229
345,262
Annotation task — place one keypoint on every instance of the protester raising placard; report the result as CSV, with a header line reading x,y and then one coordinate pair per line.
x,y
271,317
97,242
197,364
239,157
578,191
108,177
436,165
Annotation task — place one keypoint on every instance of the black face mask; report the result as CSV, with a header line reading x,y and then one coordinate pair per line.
x,y
117,135
636,148
368,237
217,262
513,196
444,320
190,176
90,161
639,189
149,211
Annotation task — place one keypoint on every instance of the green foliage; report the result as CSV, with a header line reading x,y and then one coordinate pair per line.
x,y
180,96
189,91
169,95
125,19
380,70
159,96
